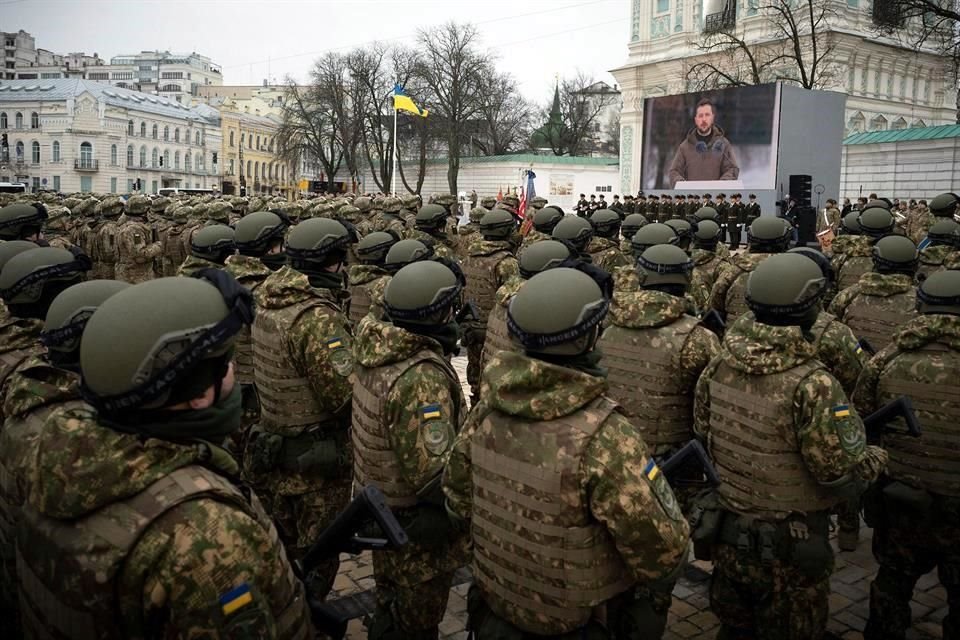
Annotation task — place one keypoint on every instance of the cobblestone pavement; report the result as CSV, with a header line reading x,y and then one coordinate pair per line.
x,y
690,615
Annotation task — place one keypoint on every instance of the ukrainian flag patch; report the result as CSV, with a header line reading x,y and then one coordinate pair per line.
x,y
859,349
651,470
430,412
236,599
841,411
334,343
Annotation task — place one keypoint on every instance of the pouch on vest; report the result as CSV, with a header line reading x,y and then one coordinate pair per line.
x,y
704,520
307,453
898,495
811,553
264,451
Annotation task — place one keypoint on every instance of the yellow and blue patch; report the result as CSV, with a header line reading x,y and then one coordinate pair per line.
x,y
334,343
859,349
235,599
430,412
841,411
651,470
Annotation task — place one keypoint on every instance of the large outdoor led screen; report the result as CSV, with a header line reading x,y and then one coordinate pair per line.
x,y
721,139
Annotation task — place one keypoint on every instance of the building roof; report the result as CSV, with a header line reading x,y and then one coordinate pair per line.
x,y
902,135
535,159
63,89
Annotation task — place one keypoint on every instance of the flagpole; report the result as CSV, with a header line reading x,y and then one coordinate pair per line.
x,y
393,175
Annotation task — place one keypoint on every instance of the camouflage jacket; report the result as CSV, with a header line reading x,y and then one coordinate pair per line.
x,y
641,515
193,264
19,339
248,270
605,253
706,269
442,248
179,576
532,237
137,251
890,299
937,258
369,276
738,266
918,224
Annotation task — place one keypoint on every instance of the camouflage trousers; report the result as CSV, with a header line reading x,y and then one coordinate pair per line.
x,y
767,601
407,611
102,271
907,546
134,273
474,369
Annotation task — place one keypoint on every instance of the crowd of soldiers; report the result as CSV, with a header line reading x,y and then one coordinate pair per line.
x,y
193,389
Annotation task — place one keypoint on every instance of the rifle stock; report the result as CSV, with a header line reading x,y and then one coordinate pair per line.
x,y
672,465
878,422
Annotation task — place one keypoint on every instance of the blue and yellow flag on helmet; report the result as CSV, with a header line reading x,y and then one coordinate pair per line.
x,y
402,102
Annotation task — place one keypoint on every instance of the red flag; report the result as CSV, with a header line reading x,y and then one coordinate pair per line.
x,y
500,194
522,208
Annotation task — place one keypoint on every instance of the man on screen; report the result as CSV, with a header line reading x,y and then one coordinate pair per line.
x,y
705,154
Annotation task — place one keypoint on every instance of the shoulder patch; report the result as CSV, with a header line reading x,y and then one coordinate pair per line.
x,y
850,433
236,599
430,412
340,357
437,436
661,489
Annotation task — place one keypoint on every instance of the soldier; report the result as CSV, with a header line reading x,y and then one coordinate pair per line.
x,y
603,248
629,205
651,343
408,213
706,262
389,219
430,227
788,449
409,408
914,508
626,278
544,222
830,218
575,232
489,202
684,231
943,251
549,458
665,210
85,231
238,208
943,206
736,221
22,221
174,240
468,233
364,277
617,206
767,236
400,255
722,208
489,264
709,213
631,224
592,206
753,209
640,205
679,208
115,548
885,298
106,249
56,229
209,249
365,226
137,248
299,455
857,257
583,206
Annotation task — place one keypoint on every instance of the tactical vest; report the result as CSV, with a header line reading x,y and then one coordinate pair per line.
x,y
243,361
287,404
932,259
69,570
538,552
736,300
481,274
851,269
361,300
374,460
930,376
877,318
648,382
108,249
497,337
174,250
754,446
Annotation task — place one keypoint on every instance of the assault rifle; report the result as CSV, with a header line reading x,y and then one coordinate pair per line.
x,y
878,422
713,321
368,506
690,456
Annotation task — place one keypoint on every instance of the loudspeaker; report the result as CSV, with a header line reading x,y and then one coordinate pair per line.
x,y
806,225
801,189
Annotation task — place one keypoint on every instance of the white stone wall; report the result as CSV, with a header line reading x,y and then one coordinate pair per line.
x,y
910,169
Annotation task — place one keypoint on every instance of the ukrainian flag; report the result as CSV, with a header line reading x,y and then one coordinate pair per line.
x,y
402,102
430,412
651,470
236,599
841,411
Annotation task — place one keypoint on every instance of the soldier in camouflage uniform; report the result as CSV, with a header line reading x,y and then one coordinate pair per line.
x,y
788,448
547,457
488,202
106,249
706,262
943,252
920,221
625,278
299,455
408,213
652,343
430,228
364,277
408,408
85,231
132,517
400,255
238,208
56,229
389,219
604,249
915,508
575,232
209,249
885,298
631,224
137,248
470,232
22,221
174,240
365,226
489,264
856,258
767,236
684,231
544,222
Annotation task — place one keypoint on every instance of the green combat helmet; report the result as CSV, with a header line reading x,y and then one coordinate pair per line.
x,y
110,207
488,202
364,204
633,223
256,233
497,225
476,214
215,243
826,268
163,342
543,255
768,234
20,221
406,252
606,223
392,205
876,222
575,231
68,315
895,254
423,293
684,231
431,218
666,268
706,213
546,219
538,202
158,205
650,235
850,224
138,206
31,280
785,290
940,293
945,232
373,248
543,322
883,203
707,235
219,212
317,243
944,205
12,248
349,213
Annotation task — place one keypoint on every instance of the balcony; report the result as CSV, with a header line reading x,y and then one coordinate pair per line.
x,y
86,165
721,21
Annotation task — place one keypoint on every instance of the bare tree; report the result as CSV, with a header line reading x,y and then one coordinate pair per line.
x,y
505,120
340,96
573,119
790,41
453,68
308,128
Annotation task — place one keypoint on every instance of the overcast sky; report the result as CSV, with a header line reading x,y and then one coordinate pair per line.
x,y
253,40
